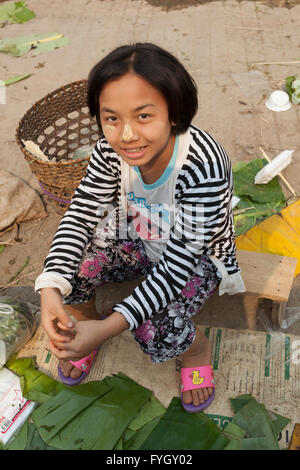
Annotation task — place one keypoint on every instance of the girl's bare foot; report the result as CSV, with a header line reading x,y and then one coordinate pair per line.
x,y
197,355
69,370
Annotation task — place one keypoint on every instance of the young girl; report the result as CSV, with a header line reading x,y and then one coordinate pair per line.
x,y
155,202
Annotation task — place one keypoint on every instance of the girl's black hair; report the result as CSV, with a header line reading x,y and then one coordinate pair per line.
x,y
159,68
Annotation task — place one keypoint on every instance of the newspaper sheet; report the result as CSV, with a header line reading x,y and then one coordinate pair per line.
x,y
263,364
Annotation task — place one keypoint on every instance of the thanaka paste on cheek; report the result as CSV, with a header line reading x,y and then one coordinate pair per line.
x,y
108,130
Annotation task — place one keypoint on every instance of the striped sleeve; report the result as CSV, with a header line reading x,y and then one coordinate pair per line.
x,y
202,218
96,190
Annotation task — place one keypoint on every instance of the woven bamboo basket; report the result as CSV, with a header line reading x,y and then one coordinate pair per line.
x,y
59,124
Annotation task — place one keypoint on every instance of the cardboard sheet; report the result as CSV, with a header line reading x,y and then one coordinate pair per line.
x,y
244,361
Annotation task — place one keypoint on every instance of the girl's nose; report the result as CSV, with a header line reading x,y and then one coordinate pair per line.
x,y
128,134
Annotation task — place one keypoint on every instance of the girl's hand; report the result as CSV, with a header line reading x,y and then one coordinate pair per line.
x,y
90,334
88,337
54,319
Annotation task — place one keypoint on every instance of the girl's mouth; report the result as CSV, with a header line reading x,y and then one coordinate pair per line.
x,y
136,152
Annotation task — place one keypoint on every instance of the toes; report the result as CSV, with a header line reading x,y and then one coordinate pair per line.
x,y
75,373
205,393
69,370
65,367
197,396
187,397
200,396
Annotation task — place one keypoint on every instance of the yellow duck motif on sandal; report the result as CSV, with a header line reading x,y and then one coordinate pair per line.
x,y
196,379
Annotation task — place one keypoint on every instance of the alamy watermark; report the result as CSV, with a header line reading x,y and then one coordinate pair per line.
x,y
2,92
135,218
295,356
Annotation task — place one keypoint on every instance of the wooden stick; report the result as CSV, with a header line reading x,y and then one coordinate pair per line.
x,y
275,63
281,176
240,211
252,29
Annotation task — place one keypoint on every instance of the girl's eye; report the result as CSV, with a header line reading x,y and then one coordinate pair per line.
x,y
110,119
143,116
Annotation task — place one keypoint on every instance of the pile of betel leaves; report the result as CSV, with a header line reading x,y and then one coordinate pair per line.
x,y
118,413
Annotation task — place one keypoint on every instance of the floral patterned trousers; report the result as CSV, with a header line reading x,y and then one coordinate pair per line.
x,y
170,332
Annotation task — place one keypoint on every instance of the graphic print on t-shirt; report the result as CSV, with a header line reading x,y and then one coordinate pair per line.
x,y
151,221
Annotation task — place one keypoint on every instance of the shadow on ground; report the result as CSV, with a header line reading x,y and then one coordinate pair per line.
x,y
179,4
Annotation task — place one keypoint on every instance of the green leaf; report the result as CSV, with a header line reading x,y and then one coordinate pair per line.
x,y
19,441
35,385
15,12
90,416
152,409
15,78
140,427
55,414
258,200
276,421
288,84
27,438
179,430
258,443
254,418
233,430
138,438
244,183
296,96
255,213
2,248
39,43
240,401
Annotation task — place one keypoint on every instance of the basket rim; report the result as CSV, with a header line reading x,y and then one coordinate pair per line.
x,y
22,147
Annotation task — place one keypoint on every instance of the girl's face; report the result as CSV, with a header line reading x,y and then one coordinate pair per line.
x,y
135,121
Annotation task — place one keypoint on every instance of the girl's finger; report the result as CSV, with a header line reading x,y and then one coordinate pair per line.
x,y
61,326
53,333
57,352
61,354
62,346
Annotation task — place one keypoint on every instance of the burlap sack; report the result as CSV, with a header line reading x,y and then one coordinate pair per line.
x,y
18,201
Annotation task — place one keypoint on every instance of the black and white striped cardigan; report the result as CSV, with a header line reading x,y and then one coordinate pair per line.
x,y
205,182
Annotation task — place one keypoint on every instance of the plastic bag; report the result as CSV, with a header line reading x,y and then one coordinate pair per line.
x,y
18,322
292,315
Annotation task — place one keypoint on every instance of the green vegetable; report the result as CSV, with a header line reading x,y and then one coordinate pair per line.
x,y
296,96
18,322
15,12
292,85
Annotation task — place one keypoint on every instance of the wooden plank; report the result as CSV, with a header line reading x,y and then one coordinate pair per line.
x,y
251,303
278,311
295,441
266,275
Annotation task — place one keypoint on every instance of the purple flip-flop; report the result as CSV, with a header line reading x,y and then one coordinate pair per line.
x,y
193,378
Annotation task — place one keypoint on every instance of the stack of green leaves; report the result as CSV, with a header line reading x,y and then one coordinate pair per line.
x,y
117,413
88,416
253,426
259,201
114,413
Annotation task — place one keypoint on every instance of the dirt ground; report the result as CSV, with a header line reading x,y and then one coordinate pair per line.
x,y
214,40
